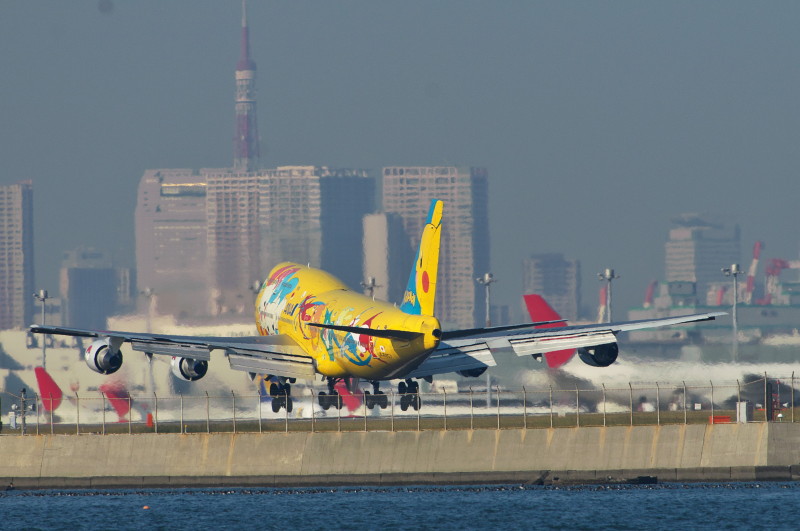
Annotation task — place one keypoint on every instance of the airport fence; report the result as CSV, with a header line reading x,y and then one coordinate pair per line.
x,y
765,399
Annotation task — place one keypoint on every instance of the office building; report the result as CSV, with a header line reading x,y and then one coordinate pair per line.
x,y
464,255
555,278
16,255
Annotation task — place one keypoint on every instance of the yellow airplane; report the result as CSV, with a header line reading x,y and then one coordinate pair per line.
x,y
311,324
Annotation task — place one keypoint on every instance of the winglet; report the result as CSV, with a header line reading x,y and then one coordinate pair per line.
x,y
421,290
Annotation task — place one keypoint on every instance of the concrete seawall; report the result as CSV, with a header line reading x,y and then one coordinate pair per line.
x,y
672,453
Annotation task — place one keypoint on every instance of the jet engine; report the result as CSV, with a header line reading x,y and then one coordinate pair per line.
x,y
102,357
188,369
473,373
600,355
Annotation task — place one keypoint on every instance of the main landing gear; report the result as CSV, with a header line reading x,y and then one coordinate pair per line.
x,y
331,398
281,393
377,398
409,395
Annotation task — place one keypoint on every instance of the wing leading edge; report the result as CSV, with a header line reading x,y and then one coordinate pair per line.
x,y
277,354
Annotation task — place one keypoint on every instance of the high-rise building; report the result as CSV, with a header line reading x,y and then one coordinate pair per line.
x,y
305,214
91,288
464,254
697,249
171,234
16,255
388,256
555,278
204,238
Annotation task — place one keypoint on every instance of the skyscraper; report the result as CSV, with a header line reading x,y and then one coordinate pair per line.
x,y
387,255
16,255
90,288
171,240
464,255
555,278
208,236
697,249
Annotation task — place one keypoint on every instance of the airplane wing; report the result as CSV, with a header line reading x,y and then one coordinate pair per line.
x,y
472,349
278,355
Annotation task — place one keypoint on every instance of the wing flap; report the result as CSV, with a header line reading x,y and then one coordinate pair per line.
x,y
540,345
450,358
289,366
172,349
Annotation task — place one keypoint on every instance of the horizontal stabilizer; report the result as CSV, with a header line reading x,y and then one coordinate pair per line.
x,y
457,334
402,335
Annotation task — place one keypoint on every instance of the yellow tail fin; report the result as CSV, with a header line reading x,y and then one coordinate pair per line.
x,y
420,293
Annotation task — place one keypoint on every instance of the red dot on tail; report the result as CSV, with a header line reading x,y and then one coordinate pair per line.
x,y
426,282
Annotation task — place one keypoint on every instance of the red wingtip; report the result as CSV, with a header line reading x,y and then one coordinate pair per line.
x,y
540,310
48,389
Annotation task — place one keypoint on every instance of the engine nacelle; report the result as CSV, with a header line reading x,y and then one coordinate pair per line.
x,y
473,373
600,355
188,369
102,357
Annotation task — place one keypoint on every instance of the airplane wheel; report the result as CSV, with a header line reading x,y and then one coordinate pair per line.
x,y
286,390
369,400
292,380
274,389
289,404
383,401
402,388
413,387
416,402
323,401
338,400
276,405
404,402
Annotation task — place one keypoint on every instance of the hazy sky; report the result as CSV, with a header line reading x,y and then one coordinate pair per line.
x,y
598,121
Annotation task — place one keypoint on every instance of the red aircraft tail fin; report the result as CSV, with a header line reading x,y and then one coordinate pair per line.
x,y
118,397
540,310
48,389
350,400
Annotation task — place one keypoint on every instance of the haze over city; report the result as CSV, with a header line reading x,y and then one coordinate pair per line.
x,y
598,123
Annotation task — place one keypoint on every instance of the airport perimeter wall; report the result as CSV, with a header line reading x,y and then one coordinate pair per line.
x,y
721,452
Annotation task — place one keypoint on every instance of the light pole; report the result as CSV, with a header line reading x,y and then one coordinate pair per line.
x,y
734,271
487,280
608,276
369,286
42,297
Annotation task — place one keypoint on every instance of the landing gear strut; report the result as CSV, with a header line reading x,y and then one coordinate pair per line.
x,y
331,398
409,395
377,398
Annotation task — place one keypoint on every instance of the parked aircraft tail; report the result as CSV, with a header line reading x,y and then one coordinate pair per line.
x,y
48,389
420,293
540,310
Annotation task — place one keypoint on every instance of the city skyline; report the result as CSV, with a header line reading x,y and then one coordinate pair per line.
x,y
593,122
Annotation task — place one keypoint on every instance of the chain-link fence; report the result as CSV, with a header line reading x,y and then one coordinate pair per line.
x,y
764,399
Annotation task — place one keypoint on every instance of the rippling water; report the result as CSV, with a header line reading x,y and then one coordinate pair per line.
x,y
666,506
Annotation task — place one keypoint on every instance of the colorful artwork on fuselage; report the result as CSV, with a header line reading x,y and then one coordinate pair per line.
x,y
278,302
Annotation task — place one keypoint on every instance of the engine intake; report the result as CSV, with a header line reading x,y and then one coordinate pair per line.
x,y
189,369
599,356
102,357
473,373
